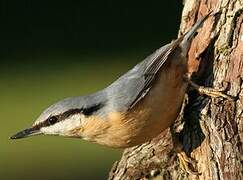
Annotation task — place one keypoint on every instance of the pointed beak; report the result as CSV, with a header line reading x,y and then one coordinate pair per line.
x,y
26,133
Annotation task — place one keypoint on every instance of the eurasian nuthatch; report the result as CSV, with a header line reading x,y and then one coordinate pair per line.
x,y
133,109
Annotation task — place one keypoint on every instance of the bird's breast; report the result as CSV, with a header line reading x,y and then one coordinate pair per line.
x,y
153,114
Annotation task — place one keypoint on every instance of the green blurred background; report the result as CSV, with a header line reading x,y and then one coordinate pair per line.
x,y
50,50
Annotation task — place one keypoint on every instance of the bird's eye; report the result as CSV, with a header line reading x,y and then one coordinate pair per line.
x,y
52,120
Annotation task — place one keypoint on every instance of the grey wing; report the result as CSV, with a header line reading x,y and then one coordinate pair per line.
x,y
133,86
153,66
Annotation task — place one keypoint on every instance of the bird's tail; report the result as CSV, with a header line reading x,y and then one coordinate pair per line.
x,y
185,43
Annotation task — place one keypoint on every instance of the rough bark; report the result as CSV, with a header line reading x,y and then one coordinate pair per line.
x,y
211,130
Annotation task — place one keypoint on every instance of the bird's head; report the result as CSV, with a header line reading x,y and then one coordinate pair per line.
x,y
63,118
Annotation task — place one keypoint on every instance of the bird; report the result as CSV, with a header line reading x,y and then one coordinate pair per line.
x,y
133,109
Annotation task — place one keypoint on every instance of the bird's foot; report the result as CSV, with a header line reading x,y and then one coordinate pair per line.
x,y
188,164
214,93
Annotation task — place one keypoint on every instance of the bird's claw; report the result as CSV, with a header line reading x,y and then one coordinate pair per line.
x,y
214,93
188,164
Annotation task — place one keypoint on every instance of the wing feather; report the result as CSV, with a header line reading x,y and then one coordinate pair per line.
x,y
152,69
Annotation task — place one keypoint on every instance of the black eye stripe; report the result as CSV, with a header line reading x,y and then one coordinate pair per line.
x,y
90,110
70,112
52,120
57,118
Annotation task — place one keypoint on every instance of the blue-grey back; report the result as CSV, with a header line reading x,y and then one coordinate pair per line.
x,y
122,93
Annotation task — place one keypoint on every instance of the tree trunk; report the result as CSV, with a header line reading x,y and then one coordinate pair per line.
x,y
211,130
